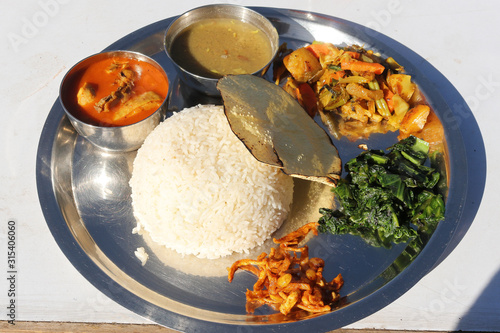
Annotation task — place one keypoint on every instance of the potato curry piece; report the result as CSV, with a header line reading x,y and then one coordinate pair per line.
x,y
118,91
288,282
355,92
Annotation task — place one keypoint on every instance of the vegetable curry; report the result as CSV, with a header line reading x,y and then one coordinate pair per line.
x,y
357,93
117,91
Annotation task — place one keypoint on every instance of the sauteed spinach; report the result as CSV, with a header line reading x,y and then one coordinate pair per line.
x,y
387,197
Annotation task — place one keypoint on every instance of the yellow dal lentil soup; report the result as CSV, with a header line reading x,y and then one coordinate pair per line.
x,y
216,47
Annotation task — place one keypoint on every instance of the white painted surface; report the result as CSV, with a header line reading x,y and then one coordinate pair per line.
x,y
41,40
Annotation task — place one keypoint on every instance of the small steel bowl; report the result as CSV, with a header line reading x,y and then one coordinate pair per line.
x,y
207,85
110,138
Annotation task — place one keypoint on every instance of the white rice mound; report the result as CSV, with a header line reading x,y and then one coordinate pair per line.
x,y
197,190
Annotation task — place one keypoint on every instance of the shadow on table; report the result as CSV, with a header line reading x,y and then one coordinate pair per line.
x,y
484,314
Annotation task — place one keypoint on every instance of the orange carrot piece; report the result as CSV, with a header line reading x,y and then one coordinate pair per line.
x,y
307,98
337,75
319,49
388,94
362,66
332,75
354,55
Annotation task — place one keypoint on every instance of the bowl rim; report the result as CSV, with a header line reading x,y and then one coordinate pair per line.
x,y
108,54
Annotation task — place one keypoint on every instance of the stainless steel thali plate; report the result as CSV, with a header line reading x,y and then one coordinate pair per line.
x,y
85,197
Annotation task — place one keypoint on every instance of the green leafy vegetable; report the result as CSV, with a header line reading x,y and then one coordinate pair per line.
x,y
387,198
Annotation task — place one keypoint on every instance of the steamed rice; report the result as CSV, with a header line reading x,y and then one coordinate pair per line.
x,y
197,190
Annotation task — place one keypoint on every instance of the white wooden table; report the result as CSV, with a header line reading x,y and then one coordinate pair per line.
x,y
42,39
